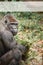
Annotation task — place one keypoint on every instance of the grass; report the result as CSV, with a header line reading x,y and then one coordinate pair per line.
x,y
30,32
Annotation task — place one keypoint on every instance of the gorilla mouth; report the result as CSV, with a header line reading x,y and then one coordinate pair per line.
x,y
14,32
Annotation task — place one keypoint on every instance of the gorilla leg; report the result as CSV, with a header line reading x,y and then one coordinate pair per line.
x,y
14,53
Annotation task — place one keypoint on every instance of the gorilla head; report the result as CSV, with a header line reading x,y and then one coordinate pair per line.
x,y
11,23
13,27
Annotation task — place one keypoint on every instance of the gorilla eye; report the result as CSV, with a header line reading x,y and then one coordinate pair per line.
x,y
5,21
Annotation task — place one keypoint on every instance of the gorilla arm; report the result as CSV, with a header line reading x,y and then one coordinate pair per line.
x,y
8,40
10,43
2,51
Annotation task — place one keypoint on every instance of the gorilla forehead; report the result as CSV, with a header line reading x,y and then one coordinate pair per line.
x,y
10,18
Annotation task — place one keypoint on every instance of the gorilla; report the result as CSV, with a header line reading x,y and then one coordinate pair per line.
x,y
10,52
7,31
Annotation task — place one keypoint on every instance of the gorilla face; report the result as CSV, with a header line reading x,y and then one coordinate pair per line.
x,y
13,27
11,24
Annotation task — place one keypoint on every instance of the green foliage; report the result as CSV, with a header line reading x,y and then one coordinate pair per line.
x,y
28,15
29,22
29,31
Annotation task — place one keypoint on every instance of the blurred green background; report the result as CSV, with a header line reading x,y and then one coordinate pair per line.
x,y
30,31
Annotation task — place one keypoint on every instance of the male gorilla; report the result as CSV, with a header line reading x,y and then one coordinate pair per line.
x,y
10,52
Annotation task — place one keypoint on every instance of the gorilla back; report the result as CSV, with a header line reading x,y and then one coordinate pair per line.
x,y
8,28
